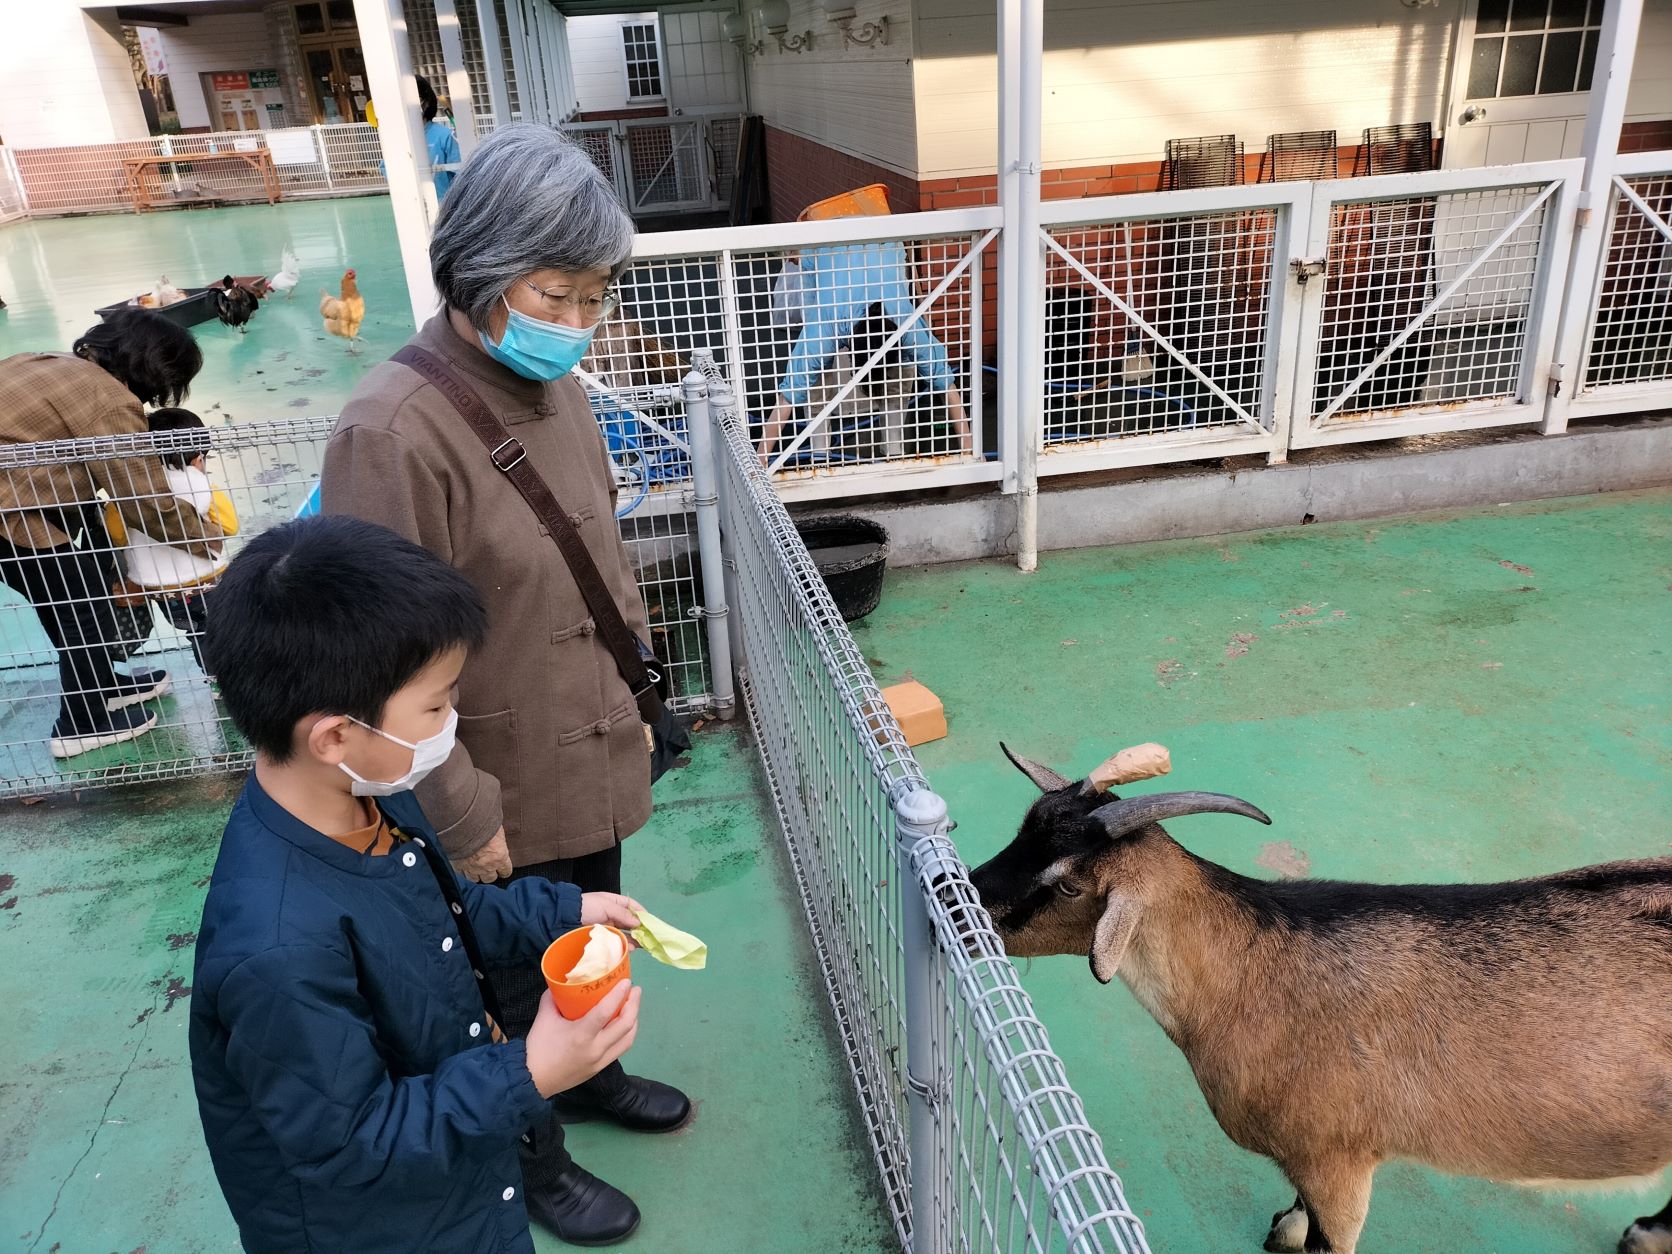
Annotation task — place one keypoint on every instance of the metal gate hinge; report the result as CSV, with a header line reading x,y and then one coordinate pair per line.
x,y
1558,372
1582,211
1303,268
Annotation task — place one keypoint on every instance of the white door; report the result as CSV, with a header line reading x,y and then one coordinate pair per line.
x,y
1521,81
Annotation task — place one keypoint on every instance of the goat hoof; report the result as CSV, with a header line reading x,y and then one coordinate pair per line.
x,y
1288,1231
1647,1236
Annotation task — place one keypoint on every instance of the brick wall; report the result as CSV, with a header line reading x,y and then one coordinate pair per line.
x,y
801,171
1645,136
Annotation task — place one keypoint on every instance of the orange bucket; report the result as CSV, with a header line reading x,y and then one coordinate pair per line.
x,y
574,1000
862,202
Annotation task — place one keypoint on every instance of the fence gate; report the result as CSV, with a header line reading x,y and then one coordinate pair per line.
x,y
663,165
1431,301
1626,360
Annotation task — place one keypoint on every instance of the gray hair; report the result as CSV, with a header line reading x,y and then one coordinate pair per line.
x,y
528,199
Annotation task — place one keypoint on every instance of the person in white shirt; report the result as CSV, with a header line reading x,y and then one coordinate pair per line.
x,y
179,580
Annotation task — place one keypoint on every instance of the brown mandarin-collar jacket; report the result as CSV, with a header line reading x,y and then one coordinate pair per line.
x,y
550,742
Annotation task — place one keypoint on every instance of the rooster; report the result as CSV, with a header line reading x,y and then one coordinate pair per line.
x,y
290,273
235,305
343,314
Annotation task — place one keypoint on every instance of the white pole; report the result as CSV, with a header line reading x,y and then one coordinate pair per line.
x,y
400,134
1009,178
458,78
1027,359
493,61
1610,81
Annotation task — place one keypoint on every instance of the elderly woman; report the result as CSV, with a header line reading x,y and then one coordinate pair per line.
x,y
53,546
552,770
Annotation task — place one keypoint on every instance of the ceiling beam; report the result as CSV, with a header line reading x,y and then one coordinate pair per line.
x,y
151,17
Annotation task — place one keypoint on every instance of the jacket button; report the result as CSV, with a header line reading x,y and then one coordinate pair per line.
x,y
476,1029
600,728
588,627
508,1194
446,944
409,859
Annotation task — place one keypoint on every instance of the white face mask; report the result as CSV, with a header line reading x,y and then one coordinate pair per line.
x,y
427,754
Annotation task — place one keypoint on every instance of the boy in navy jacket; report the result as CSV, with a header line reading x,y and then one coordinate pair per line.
x,y
355,1090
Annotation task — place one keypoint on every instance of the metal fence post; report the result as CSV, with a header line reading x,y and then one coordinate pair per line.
x,y
324,156
705,496
721,400
920,813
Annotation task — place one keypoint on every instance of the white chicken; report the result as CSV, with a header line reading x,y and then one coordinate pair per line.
x,y
290,273
162,294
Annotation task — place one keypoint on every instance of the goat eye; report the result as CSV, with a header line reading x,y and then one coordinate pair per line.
x,y
1067,889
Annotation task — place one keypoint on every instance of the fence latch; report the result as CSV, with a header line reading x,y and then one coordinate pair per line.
x,y
1557,373
1303,268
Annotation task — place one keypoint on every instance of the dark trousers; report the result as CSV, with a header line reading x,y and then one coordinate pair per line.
x,y
70,590
518,988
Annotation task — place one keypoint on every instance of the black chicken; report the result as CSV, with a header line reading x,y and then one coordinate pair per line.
x,y
234,305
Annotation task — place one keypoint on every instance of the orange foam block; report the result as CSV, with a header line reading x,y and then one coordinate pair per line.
x,y
918,711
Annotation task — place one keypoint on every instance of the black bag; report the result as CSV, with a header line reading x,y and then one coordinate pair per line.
x,y
646,676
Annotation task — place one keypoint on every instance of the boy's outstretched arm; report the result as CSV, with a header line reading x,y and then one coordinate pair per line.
x,y
516,922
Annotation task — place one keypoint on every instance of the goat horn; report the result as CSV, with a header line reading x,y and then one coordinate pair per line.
x,y
1043,777
1120,818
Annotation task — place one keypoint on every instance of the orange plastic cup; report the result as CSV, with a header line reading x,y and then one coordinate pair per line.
x,y
574,1000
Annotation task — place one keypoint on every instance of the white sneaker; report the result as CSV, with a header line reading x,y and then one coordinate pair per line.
x,y
68,740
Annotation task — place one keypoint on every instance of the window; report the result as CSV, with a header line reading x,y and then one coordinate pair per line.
x,y
1533,47
644,64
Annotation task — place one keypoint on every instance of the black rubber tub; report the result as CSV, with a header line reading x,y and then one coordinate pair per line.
x,y
199,306
852,555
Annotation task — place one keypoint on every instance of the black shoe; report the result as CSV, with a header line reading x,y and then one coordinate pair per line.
x,y
580,1209
637,1104
72,737
143,685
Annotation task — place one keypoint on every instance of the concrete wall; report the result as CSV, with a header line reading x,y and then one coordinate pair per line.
x,y
65,77
1368,481
854,100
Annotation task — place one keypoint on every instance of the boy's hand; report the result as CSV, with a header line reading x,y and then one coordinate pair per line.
x,y
489,863
611,908
562,1053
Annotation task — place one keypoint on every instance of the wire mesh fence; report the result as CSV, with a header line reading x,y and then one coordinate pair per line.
x,y
311,161
103,588
1157,325
12,204
1631,321
1428,300
980,1142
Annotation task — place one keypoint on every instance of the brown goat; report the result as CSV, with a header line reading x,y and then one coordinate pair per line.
x,y
1519,1031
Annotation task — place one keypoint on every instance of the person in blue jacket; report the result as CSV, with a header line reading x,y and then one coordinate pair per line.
x,y
355,1089
439,138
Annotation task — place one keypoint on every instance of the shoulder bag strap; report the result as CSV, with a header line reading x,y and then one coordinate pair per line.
x,y
509,458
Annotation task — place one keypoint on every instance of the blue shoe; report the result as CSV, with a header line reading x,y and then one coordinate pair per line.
x,y
142,685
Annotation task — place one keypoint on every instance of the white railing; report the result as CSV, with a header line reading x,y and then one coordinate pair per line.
x,y
1176,325
311,161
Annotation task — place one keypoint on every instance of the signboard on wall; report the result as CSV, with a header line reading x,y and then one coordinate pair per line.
x,y
230,82
260,79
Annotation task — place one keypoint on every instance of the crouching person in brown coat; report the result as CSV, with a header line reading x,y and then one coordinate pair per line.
x,y
552,769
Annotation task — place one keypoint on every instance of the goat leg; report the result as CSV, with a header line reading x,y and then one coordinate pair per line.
x,y
1288,1230
1336,1195
1652,1234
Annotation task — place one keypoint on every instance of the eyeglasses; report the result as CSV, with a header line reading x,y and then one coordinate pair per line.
x,y
590,308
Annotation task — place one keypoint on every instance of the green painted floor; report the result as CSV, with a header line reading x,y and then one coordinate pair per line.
x,y
55,272
100,1148
1478,696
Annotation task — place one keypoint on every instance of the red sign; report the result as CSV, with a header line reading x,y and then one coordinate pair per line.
x,y
230,82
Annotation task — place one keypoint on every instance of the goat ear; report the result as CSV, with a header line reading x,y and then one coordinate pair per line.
x,y
1114,931
1043,777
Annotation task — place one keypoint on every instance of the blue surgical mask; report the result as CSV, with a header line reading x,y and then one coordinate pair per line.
x,y
537,349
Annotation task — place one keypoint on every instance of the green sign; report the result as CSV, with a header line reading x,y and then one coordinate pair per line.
x,y
264,78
